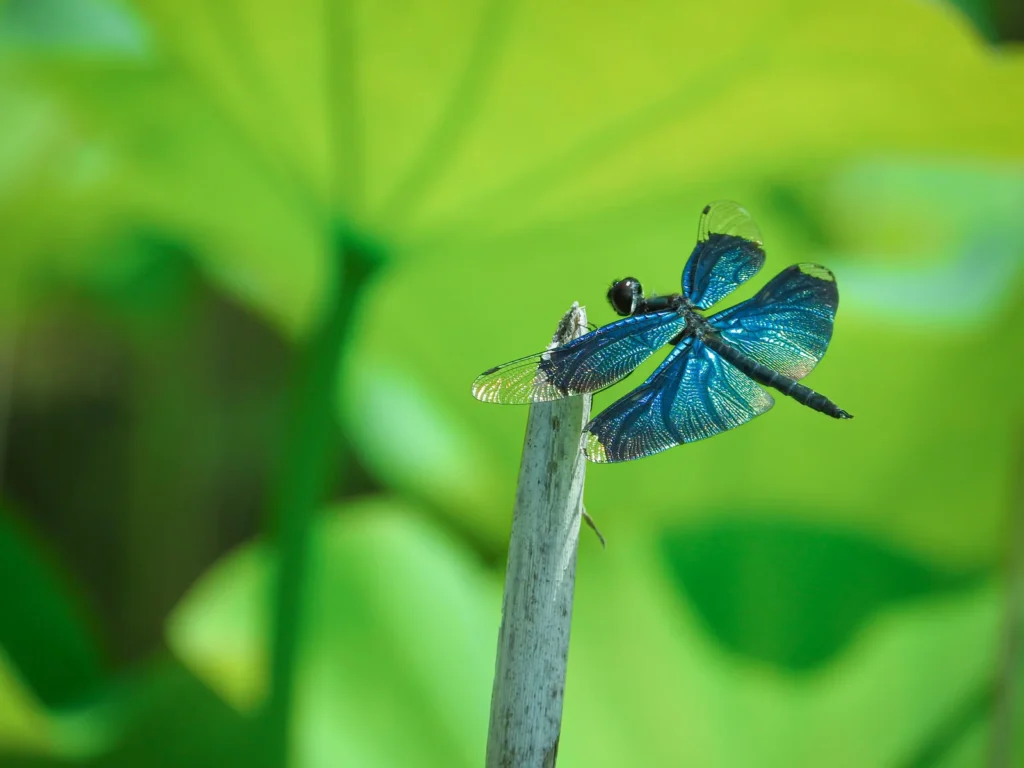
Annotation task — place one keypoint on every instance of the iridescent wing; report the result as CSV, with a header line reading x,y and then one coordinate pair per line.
x,y
694,394
787,326
591,362
728,253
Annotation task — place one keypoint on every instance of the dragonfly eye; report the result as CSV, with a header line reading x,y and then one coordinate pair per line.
x,y
625,296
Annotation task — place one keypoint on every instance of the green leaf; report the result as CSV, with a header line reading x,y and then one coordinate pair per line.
x,y
175,720
163,717
981,14
415,446
24,726
401,627
648,686
75,27
42,629
253,131
790,594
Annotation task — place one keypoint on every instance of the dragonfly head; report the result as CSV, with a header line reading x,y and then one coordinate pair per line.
x,y
626,296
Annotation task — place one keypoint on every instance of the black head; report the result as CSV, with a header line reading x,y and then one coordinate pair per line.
x,y
626,296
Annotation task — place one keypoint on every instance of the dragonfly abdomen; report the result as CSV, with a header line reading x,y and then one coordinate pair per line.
x,y
762,374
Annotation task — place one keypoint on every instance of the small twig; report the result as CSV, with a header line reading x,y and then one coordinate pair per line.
x,y
533,644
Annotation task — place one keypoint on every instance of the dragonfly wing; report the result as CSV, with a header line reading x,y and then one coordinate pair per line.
x,y
787,326
694,394
728,253
591,362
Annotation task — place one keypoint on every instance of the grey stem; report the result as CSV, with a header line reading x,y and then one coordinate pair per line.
x,y
533,644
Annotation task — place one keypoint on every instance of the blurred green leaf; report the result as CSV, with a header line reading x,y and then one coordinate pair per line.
x,y
221,629
174,720
411,443
48,173
944,244
252,131
980,14
910,209
80,27
176,169
648,685
42,630
791,594
400,628
24,727
165,718
240,136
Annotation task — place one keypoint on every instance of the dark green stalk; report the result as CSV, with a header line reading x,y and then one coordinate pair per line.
x,y
312,457
944,739
1005,737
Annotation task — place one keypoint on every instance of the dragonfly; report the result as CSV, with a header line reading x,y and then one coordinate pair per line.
x,y
720,367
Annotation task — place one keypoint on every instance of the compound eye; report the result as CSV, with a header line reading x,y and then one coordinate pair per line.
x,y
624,296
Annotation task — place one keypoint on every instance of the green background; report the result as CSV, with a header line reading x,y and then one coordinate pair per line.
x,y
253,254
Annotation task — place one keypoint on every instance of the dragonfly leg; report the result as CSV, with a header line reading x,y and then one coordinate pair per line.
x,y
590,521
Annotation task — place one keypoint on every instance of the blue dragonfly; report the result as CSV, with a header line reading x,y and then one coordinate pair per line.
x,y
714,378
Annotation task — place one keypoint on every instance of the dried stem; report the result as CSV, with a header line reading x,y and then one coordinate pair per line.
x,y
533,645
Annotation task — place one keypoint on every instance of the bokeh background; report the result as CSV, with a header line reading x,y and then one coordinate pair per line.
x,y
252,255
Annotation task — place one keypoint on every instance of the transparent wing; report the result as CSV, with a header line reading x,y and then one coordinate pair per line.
x,y
728,253
694,394
787,326
591,362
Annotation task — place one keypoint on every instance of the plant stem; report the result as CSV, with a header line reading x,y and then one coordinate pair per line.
x,y
1007,689
311,457
533,643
